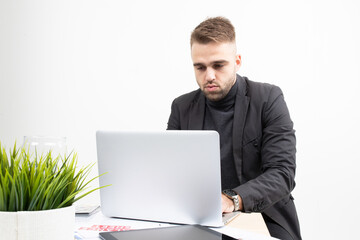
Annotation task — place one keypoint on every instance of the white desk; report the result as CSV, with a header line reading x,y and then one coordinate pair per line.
x,y
245,226
252,222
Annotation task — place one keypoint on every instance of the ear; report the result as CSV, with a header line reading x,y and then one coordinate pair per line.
x,y
238,61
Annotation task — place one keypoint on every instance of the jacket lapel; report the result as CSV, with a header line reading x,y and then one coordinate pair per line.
x,y
241,108
197,113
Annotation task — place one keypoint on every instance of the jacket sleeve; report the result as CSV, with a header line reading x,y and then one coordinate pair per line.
x,y
277,153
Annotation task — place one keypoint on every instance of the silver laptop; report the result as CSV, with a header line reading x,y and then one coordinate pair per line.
x,y
165,176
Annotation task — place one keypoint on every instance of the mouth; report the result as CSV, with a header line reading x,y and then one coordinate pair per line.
x,y
211,87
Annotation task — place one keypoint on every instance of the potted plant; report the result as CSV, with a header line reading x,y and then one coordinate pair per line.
x,y
37,193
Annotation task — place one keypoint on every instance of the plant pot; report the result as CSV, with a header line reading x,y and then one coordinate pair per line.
x,y
56,224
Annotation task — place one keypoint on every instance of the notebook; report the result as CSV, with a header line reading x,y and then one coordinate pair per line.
x,y
188,232
162,176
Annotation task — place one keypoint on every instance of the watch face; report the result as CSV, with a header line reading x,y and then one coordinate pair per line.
x,y
229,192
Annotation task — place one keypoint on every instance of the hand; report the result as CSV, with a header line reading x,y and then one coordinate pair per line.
x,y
227,204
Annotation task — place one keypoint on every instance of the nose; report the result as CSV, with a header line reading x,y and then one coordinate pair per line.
x,y
210,75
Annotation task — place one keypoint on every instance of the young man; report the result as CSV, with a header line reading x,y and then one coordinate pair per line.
x,y
257,140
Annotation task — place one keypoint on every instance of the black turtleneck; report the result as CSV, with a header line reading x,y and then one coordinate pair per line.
x,y
219,116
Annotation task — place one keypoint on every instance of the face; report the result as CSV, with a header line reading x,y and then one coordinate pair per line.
x,y
215,66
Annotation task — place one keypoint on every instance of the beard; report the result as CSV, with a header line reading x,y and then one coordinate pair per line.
x,y
215,95
220,92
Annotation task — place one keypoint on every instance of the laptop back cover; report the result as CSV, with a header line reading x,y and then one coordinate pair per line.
x,y
166,176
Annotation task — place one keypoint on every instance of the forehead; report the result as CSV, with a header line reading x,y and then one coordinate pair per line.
x,y
210,52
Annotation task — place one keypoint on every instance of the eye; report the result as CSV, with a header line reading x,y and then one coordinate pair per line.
x,y
200,68
218,66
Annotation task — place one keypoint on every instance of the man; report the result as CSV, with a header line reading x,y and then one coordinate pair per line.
x,y
257,140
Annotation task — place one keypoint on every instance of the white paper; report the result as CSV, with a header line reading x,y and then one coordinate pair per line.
x,y
87,227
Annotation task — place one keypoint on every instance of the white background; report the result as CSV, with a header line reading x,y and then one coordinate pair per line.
x,y
71,67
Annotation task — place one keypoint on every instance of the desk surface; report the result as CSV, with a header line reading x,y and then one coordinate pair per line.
x,y
252,222
244,226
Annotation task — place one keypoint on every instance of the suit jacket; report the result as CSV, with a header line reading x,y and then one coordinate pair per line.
x,y
263,147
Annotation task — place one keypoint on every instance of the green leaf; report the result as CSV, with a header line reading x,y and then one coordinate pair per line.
x,y
41,181
2,199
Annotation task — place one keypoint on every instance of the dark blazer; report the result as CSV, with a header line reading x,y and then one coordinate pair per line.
x,y
263,147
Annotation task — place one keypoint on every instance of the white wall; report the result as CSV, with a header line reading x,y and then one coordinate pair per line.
x,y
70,67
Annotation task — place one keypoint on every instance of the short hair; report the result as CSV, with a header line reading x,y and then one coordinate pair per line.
x,y
216,29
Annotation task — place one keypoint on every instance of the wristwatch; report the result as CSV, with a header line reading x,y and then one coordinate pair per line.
x,y
231,194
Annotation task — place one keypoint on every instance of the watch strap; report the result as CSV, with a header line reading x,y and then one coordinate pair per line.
x,y
236,202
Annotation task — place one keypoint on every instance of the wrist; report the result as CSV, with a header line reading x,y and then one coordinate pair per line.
x,y
232,195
